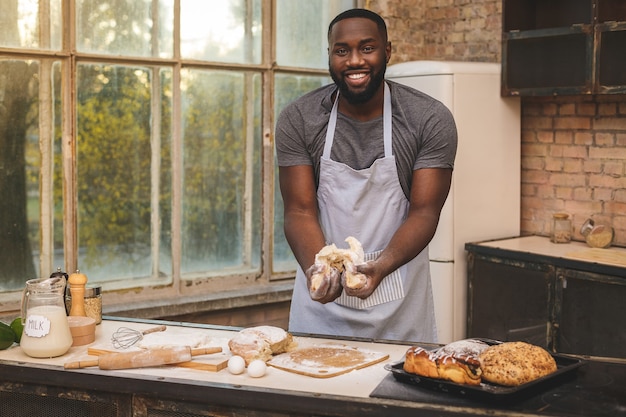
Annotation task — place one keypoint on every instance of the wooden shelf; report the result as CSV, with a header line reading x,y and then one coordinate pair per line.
x,y
611,58
522,15
561,47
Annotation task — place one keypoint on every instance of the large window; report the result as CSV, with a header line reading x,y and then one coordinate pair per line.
x,y
136,139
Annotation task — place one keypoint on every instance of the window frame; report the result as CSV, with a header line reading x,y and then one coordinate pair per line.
x,y
149,295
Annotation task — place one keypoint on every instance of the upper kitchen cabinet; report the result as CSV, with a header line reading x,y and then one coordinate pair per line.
x,y
560,47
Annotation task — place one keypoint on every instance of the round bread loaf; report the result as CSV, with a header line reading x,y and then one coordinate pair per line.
x,y
260,342
515,363
250,347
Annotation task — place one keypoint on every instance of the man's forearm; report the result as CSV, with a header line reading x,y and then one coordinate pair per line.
x,y
305,237
408,241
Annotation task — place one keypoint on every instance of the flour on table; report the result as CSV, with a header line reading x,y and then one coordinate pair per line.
x,y
164,340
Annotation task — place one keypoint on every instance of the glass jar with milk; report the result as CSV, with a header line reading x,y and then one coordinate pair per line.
x,y
46,330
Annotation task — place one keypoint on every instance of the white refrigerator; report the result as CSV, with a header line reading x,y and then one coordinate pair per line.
x,y
484,200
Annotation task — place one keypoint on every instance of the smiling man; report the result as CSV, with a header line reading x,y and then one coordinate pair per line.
x,y
371,159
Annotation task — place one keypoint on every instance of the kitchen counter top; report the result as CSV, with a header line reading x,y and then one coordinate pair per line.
x,y
352,384
611,261
594,389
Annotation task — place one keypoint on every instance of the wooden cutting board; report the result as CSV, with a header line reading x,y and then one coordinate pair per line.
x,y
326,360
213,363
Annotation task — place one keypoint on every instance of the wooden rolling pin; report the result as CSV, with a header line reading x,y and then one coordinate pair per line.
x,y
144,358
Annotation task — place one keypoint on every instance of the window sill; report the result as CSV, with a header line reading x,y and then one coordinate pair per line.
x,y
244,297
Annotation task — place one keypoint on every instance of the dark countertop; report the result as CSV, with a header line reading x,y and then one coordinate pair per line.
x,y
594,389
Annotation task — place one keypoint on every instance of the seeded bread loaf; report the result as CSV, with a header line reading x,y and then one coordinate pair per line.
x,y
515,363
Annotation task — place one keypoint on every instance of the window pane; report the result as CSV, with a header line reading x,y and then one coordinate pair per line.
x,y
288,88
19,172
222,174
223,30
301,30
33,24
125,27
117,187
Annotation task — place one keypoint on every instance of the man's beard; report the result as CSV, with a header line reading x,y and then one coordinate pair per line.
x,y
363,96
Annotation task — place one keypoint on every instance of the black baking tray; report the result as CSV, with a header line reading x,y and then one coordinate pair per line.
x,y
566,367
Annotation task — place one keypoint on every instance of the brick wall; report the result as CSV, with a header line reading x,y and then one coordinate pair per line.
x,y
456,30
573,147
574,161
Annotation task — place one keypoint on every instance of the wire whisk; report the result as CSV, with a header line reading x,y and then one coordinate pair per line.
x,y
125,337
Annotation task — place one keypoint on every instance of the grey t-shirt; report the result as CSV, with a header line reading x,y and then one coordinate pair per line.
x,y
423,130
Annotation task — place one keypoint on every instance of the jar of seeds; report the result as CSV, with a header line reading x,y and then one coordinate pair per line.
x,y
93,302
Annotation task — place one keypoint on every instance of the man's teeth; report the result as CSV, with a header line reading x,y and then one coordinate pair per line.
x,y
356,76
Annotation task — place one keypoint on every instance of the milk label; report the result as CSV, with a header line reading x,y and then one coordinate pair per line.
x,y
37,326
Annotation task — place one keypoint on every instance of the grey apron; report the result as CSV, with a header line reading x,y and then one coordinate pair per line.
x,y
370,205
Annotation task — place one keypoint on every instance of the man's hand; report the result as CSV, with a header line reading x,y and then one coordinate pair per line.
x,y
373,279
324,283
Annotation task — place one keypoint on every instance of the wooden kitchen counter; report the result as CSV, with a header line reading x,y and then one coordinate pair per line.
x,y
33,387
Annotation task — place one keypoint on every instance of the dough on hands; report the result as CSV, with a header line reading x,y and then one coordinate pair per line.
x,y
327,258
325,282
343,261
353,257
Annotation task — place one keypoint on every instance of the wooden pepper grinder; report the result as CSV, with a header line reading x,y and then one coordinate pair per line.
x,y
83,328
77,283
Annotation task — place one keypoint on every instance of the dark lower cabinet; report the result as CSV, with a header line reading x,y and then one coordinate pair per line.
x,y
509,301
550,302
26,400
591,318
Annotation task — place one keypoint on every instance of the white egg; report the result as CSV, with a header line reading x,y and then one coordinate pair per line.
x,y
257,368
236,365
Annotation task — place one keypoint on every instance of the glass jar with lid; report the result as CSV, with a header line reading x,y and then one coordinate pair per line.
x,y
92,305
597,235
561,228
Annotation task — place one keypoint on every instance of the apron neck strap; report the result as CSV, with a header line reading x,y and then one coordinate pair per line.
x,y
332,124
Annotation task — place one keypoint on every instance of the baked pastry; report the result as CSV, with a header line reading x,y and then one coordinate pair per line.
x,y
457,361
260,342
420,361
343,260
515,363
